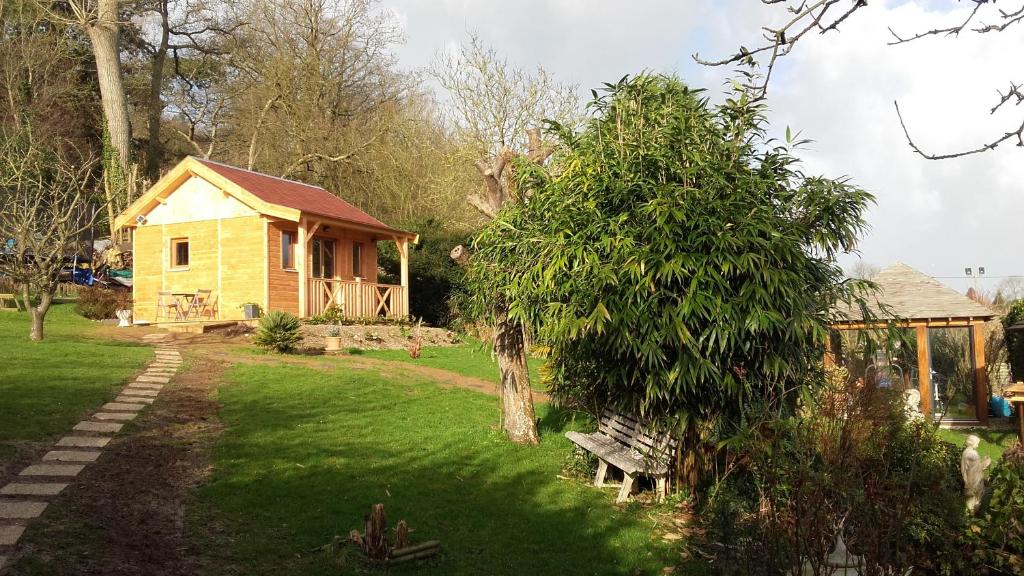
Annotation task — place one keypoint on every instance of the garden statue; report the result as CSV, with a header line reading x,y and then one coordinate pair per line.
x,y
912,404
840,562
972,467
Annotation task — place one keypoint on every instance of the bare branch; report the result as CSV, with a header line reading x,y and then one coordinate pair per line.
x,y
1018,134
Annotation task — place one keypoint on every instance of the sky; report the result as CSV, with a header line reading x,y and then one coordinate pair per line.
x,y
838,90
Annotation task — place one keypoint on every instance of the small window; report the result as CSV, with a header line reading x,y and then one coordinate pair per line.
x,y
288,250
357,260
179,253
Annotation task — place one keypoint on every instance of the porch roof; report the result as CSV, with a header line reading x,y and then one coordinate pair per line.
x,y
907,294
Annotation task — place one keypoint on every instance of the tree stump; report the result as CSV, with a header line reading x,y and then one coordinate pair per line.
x,y
375,535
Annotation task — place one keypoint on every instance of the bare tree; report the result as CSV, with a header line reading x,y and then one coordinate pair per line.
x,y
494,104
810,17
497,109
44,210
864,270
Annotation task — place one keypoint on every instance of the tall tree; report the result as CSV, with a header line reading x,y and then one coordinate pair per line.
x,y
802,18
676,261
496,108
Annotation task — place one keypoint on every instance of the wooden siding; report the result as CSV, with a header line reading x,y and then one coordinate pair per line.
x,y
282,285
220,259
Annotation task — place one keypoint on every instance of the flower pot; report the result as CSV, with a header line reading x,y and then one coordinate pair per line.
x,y
332,343
124,318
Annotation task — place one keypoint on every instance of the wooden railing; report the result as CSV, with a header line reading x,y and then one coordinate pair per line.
x,y
356,299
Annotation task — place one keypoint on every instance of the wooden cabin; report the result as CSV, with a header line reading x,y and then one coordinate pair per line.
x,y
250,238
944,358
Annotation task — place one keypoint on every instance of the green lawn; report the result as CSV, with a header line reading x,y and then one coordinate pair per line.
x,y
47,386
993,442
307,452
470,359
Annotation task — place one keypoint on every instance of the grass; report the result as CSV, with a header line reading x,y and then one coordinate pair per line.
x,y
47,386
471,359
307,452
993,442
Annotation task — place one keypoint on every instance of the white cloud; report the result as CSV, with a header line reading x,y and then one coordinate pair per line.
x,y
838,89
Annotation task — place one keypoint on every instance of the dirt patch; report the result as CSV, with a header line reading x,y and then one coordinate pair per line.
x,y
125,515
378,337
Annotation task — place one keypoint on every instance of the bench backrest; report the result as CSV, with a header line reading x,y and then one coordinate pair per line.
x,y
626,430
9,302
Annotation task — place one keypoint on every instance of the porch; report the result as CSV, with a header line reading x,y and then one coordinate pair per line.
x,y
357,299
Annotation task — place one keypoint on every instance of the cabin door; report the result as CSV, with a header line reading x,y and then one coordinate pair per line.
x,y
323,258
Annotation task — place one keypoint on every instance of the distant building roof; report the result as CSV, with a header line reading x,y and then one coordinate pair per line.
x,y
309,199
911,295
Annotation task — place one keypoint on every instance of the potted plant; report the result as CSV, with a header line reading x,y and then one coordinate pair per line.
x,y
252,310
123,310
332,339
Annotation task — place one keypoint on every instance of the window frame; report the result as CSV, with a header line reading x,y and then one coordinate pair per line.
x,y
357,260
175,264
290,247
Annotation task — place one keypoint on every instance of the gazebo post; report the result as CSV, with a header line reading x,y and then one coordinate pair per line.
x,y
924,370
980,373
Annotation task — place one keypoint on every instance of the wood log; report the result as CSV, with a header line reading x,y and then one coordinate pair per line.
x,y
406,550
460,255
375,536
402,530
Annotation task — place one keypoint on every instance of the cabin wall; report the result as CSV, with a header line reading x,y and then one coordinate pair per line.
x,y
220,259
282,285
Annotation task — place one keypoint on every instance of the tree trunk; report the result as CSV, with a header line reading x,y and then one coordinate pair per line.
x,y
104,34
38,313
156,109
518,417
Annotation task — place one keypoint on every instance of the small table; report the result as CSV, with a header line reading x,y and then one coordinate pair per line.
x,y
184,301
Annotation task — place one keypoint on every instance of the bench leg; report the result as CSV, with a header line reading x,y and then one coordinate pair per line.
x,y
662,488
627,488
602,471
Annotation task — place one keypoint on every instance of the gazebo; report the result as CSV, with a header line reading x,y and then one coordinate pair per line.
x,y
914,301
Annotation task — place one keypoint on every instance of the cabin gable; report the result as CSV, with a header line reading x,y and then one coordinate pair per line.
x,y
196,200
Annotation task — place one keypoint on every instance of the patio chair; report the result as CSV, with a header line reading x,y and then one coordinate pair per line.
x,y
209,308
165,303
201,304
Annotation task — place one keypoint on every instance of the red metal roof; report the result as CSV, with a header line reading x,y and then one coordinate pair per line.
x,y
309,199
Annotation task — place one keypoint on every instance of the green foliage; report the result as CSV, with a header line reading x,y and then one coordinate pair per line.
x,y
997,534
1015,338
674,258
850,460
98,303
278,331
436,281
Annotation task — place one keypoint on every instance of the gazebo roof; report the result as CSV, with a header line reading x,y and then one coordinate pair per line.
x,y
912,295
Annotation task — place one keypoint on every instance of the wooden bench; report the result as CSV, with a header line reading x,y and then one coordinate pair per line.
x,y
10,303
621,441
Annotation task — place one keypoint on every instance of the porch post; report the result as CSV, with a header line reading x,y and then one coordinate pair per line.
x,y
300,266
980,373
403,252
924,371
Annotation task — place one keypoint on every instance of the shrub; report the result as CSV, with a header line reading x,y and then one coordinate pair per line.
x,y
1015,338
278,331
98,303
996,535
435,279
848,460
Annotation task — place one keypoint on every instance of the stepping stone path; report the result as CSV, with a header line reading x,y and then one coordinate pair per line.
x,y
29,495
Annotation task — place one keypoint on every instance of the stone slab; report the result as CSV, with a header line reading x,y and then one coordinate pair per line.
x,y
161,371
71,456
20,509
52,470
140,392
116,416
33,489
153,378
122,406
133,399
98,427
9,535
167,357
83,441
146,385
